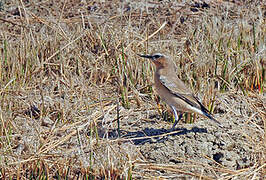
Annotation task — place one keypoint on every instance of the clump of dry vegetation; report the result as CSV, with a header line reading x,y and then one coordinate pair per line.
x,y
73,92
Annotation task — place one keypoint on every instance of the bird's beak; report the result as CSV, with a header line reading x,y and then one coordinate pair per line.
x,y
146,56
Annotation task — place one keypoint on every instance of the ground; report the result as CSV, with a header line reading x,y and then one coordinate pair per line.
x,y
77,102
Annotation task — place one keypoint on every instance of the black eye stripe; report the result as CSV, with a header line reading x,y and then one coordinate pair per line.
x,y
156,56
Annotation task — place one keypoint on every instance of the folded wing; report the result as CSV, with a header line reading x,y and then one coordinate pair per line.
x,y
178,88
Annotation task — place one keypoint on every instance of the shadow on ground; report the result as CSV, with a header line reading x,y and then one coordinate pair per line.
x,y
151,135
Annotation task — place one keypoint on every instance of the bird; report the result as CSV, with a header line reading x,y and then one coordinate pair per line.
x,y
173,91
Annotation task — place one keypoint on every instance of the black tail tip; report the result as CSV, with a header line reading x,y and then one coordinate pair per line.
x,y
212,118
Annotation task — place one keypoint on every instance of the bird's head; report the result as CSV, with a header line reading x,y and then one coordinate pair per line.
x,y
158,59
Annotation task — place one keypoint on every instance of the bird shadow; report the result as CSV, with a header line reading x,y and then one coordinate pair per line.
x,y
151,135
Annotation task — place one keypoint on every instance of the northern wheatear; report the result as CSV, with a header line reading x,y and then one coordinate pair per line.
x,y
173,91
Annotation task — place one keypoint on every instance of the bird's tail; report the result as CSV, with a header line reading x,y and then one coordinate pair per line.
x,y
207,114
210,117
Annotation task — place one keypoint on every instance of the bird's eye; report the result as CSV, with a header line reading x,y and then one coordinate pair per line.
x,y
156,56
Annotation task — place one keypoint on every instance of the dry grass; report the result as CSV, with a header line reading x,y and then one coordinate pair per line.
x,y
69,77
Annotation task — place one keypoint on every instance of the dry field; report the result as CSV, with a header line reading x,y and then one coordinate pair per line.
x,y
76,102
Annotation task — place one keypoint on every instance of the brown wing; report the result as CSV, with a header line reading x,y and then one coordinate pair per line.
x,y
177,87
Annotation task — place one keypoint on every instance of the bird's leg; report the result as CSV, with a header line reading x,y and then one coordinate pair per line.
x,y
177,118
